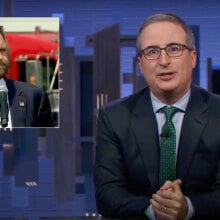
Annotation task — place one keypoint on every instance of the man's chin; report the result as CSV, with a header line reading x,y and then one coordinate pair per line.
x,y
168,89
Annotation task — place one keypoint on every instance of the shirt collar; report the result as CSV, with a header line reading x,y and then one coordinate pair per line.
x,y
180,104
2,82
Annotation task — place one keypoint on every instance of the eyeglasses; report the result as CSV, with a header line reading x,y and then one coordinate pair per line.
x,y
172,50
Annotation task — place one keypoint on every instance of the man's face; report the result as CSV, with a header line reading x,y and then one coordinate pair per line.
x,y
4,57
167,75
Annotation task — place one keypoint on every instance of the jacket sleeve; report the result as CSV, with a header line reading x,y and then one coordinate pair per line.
x,y
207,205
113,196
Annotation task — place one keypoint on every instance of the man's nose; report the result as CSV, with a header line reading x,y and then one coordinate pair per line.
x,y
164,59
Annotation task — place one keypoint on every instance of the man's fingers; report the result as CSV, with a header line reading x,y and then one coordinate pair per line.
x,y
171,184
178,182
161,211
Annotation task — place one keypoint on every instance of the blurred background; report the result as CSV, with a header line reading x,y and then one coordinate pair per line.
x,y
48,173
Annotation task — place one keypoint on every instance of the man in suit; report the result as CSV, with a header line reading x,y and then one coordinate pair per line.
x,y
128,160
28,105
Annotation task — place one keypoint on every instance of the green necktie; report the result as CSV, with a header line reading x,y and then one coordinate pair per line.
x,y
168,147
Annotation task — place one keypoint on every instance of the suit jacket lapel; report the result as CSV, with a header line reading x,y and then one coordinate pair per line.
x,y
193,123
19,112
145,129
17,104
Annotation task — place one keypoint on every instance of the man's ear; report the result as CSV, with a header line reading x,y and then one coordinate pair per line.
x,y
139,59
194,58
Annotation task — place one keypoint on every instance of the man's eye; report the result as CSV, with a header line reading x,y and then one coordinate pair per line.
x,y
174,48
3,51
151,51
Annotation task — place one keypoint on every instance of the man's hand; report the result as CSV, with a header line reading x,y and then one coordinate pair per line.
x,y
169,202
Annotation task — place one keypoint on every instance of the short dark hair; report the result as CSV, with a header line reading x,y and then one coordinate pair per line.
x,y
169,17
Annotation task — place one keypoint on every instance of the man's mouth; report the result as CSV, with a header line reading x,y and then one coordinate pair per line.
x,y
166,75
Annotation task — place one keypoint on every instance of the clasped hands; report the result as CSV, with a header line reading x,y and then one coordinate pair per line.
x,y
169,202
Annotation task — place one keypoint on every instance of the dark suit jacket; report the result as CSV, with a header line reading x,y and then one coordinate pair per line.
x,y
29,105
127,156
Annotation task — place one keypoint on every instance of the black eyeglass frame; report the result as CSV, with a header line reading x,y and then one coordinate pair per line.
x,y
183,46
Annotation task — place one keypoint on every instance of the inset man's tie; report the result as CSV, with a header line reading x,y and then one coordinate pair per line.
x,y
168,147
